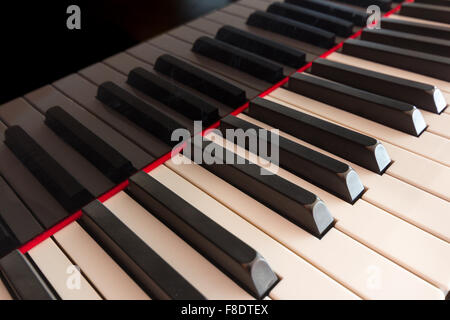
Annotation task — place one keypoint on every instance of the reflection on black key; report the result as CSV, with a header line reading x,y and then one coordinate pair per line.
x,y
320,20
393,113
291,201
217,244
332,175
173,96
292,29
415,61
353,146
237,58
144,265
139,112
23,280
201,80
385,5
426,12
444,3
261,46
338,10
16,216
425,96
105,158
8,241
409,41
416,28
58,182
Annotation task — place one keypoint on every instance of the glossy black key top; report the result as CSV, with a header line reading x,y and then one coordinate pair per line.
x,y
231,254
8,241
415,61
23,280
200,80
332,175
105,158
320,20
393,113
153,274
353,146
138,111
416,28
426,12
237,58
292,29
439,47
385,5
334,9
445,3
173,96
16,216
261,46
63,187
423,95
298,205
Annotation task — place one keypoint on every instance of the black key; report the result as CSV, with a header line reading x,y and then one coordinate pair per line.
x,y
153,274
105,158
426,12
173,96
261,46
416,28
23,280
64,188
423,95
385,5
237,58
435,2
16,216
393,113
231,254
292,29
333,9
200,80
138,111
331,175
409,41
353,146
298,205
320,20
419,62
8,241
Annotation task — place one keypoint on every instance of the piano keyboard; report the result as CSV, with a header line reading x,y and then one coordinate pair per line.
x,y
94,205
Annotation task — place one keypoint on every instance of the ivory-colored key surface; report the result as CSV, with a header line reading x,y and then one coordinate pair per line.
x,y
437,124
408,246
428,144
402,199
336,254
185,260
298,279
4,294
444,86
416,211
431,23
61,273
104,273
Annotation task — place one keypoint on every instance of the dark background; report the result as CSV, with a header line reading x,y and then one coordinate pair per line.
x,y
37,48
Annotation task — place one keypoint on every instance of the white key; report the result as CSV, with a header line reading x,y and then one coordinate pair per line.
x,y
4,294
198,271
299,280
101,270
427,145
61,273
410,247
437,124
415,212
336,254
431,23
